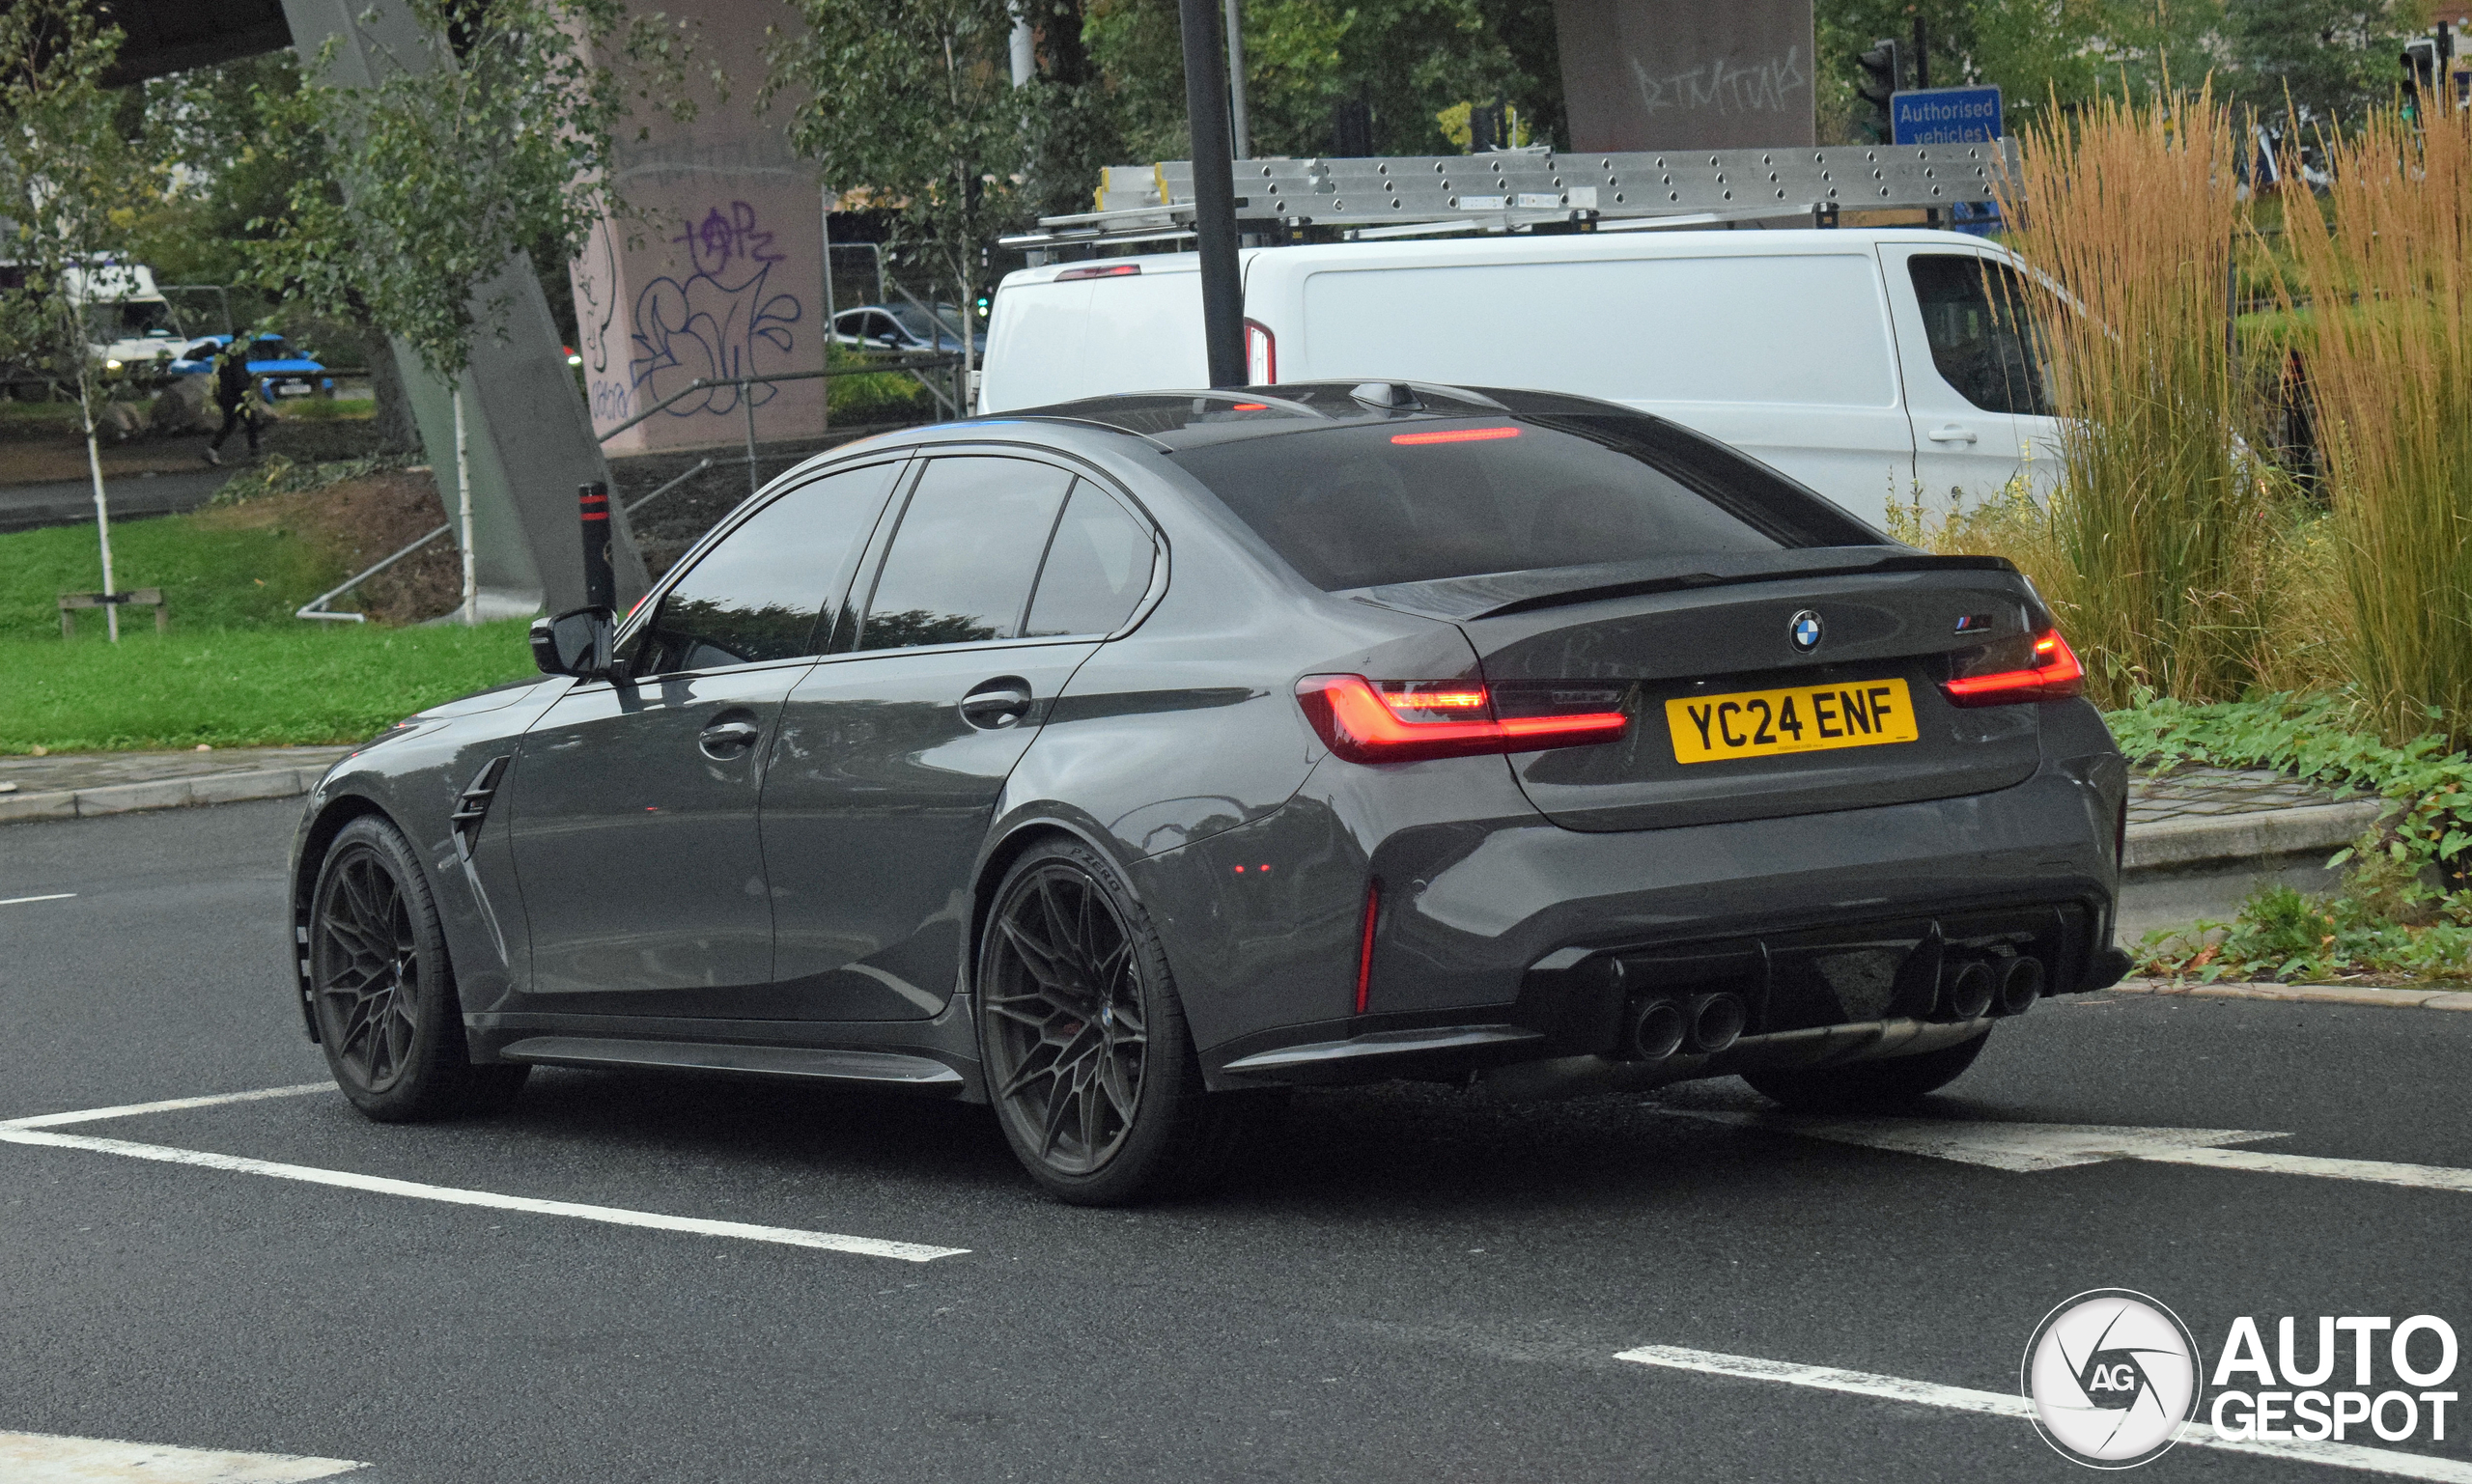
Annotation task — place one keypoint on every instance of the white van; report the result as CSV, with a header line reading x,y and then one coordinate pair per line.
x,y
1869,364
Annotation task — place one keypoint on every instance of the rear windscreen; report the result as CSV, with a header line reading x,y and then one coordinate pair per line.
x,y
1417,500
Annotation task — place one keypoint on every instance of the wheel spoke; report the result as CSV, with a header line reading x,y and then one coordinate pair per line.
x,y
1036,957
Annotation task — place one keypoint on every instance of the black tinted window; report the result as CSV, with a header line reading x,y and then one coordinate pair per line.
x,y
1976,315
963,560
1097,567
1420,500
757,594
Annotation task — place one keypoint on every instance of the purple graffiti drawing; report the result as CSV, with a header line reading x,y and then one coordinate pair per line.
x,y
714,323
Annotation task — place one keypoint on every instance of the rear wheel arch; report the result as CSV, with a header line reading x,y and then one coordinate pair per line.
x,y
1022,837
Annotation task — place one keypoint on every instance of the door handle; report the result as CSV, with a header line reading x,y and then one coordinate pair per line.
x,y
725,740
991,705
1950,432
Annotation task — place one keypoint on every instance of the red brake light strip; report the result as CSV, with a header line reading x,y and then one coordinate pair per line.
x,y
2055,675
1365,724
1455,436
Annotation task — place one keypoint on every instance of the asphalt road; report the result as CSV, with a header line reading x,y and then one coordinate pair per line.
x,y
1400,1284
72,501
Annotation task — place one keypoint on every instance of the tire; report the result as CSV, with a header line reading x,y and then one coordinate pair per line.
x,y
383,990
1088,1059
1868,1085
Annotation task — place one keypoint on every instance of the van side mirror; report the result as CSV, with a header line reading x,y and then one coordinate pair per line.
x,y
575,642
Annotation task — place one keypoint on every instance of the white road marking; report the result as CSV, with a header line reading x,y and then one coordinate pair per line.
x,y
167,1105
57,896
39,1458
1926,1393
787,1236
2021,1147
2425,1177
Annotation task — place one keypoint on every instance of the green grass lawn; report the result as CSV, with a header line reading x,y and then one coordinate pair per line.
x,y
211,577
239,687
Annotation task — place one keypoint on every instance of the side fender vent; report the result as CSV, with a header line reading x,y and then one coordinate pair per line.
x,y
472,805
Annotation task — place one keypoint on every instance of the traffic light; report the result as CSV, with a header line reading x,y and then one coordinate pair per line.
x,y
1880,77
2421,92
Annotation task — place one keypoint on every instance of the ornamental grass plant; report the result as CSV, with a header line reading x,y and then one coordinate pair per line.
x,y
2387,271
2161,530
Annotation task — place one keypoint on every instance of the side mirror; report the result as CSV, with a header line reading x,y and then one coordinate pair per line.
x,y
575,642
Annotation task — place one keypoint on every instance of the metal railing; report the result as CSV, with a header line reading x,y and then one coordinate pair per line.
x,y
916,365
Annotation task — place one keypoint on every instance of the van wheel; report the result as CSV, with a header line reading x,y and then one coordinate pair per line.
x,y
1868,1085
383,990
1089,1063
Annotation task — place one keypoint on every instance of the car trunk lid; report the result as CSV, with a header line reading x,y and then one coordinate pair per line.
x,y
1853,719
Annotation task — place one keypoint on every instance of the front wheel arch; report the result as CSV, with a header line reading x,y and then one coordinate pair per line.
x,y
319,839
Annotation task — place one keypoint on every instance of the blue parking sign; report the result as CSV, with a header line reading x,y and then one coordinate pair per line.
x,y
1945,116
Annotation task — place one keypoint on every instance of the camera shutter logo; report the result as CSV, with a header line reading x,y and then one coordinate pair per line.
x,y
2113,1375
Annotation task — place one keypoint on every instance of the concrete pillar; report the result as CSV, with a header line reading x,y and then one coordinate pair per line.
x,y
726,278
531,443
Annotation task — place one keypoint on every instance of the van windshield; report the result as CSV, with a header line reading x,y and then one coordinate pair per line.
x,y
1419,500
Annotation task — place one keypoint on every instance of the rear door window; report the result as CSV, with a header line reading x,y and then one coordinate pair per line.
x,y
756,595
1979,317
1097,567
966,553
1420,500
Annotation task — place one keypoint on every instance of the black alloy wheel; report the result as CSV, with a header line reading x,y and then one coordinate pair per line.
x,y
1087,1057
383,990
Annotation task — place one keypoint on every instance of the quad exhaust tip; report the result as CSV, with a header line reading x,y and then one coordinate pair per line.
x,y
1715,1020
1657,1030
2021,984
1967,990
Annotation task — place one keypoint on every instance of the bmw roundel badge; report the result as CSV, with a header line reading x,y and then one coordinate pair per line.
x,y
1805,630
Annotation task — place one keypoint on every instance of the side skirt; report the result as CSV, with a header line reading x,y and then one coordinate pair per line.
x,y
938,1057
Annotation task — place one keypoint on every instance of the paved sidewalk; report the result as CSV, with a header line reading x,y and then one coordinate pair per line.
x,y
2198,792
76,785
2304,993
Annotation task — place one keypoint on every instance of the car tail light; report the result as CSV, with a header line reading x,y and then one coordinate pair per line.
x,y
1261,354
2031,667
1408,721
1454,435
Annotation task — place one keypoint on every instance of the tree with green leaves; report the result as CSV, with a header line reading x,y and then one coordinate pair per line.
x,y
70,186
1410,61
490,135
910,105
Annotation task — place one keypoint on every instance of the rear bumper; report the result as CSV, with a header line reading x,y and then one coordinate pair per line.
x,y
1508,926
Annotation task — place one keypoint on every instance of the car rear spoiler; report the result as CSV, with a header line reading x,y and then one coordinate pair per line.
x,y
1456,600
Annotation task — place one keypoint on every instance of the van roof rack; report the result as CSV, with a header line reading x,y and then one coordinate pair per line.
x,y
1520,191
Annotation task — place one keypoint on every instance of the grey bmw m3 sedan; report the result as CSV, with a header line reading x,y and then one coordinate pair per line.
x,y
1125,763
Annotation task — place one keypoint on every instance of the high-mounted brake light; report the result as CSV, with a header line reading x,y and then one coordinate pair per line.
x,y
1409,721
1099,270
1261,354
1455,436
2051,673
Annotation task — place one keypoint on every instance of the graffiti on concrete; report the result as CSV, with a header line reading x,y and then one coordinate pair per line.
x,y
1774,85
715,320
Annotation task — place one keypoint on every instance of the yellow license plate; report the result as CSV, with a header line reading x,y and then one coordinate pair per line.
x,y
1806,718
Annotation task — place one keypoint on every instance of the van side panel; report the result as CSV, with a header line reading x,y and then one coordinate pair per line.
x,y
1058,341
1785,355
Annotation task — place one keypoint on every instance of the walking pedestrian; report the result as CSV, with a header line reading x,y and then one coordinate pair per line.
x,y
232,387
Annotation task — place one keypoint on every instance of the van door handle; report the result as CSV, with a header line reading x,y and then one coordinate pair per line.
x,y
1950,432
993,705
725,740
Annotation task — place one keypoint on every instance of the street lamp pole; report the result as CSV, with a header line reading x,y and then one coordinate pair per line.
x,y
1223,292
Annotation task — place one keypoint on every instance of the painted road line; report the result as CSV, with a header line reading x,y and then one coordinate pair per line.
x,y
168,1105
2424,1177
2028,1147
57,896
787,1236
2000,1404
39,1458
